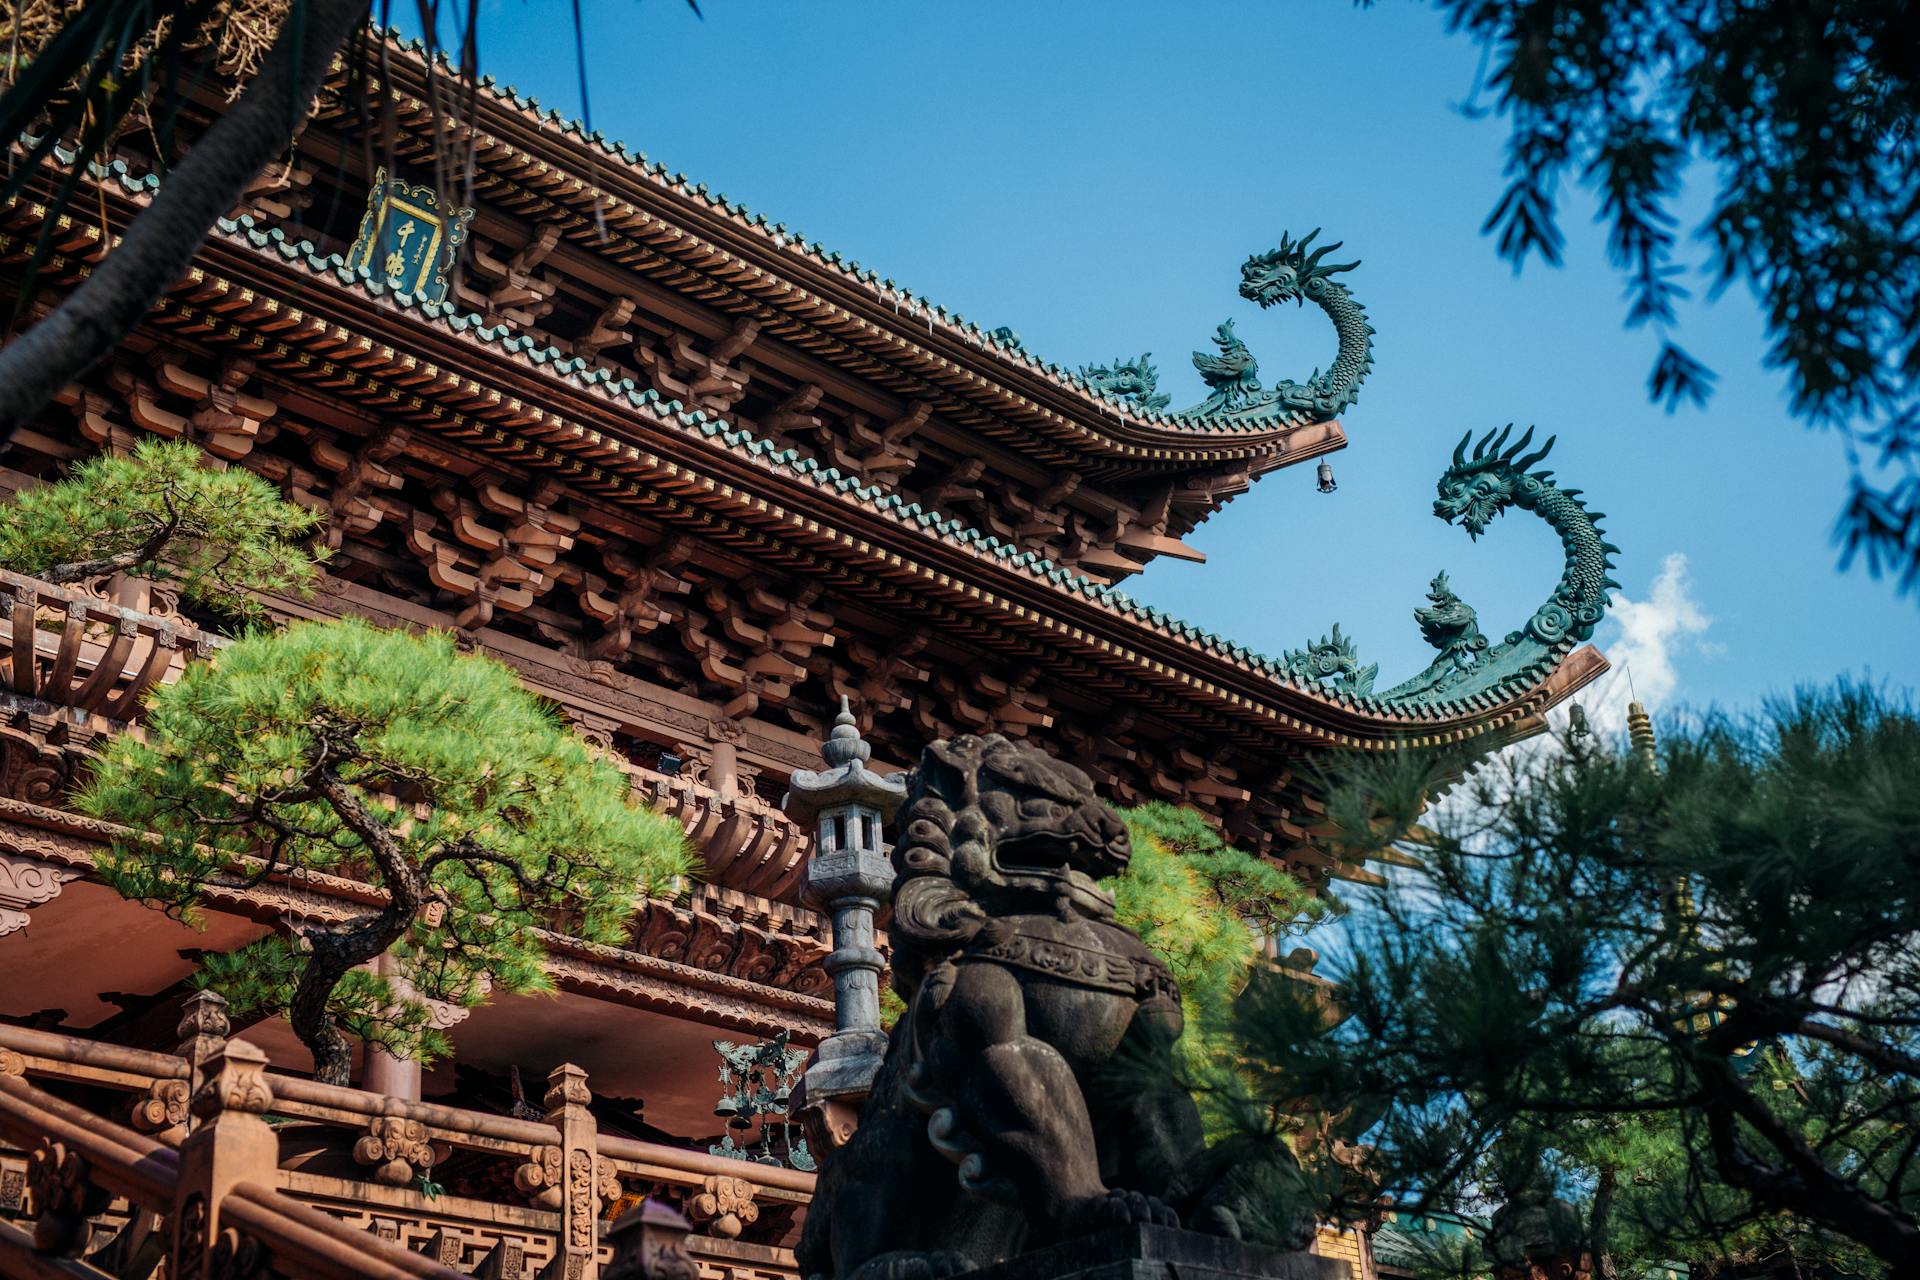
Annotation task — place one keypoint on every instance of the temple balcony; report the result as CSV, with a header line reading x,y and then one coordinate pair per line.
x,y
98,648
521,1195
723,958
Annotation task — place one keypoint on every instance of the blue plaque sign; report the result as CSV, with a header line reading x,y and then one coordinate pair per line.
x,y
408,237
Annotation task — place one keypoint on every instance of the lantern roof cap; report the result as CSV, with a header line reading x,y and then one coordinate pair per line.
x,y
846,780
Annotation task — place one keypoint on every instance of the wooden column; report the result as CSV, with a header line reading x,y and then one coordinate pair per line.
x,y
383,1072
380,1071
395,1077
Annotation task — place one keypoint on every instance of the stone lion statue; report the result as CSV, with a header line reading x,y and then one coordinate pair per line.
x,y
991,1128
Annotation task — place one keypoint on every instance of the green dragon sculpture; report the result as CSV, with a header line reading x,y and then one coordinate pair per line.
x,y
1333,661
1450,624
1472,491
1134,382
1290,273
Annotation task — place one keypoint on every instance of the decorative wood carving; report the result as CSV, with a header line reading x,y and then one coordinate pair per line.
x,y
26,883
632,608
508,288
709,379
607,329
723,1207
279,191
888,453
362,477
397,1149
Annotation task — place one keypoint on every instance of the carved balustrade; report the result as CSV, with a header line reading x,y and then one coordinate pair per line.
x,y
493,1196
94,658
103,1200
73,666
744,842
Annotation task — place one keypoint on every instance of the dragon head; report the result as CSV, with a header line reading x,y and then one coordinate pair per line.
x,y
1289,273
1479,487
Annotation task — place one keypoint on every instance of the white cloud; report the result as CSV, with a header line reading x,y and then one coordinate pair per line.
x,y
1652,633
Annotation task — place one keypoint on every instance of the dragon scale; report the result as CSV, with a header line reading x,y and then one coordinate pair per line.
x,y
1329,394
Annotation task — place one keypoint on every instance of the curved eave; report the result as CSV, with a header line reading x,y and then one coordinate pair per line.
x,y
553,412
726,242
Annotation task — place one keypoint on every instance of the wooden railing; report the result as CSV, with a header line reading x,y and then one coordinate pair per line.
x,y
534,1194
74,667
744,842
203,1206
89,654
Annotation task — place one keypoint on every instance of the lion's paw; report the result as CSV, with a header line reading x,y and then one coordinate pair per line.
x,y
1217,1220
906,1264
1116,1209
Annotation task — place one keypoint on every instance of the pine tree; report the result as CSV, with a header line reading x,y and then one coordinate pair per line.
x,y
392,759
1204,907
163,513
1797,122
1712,956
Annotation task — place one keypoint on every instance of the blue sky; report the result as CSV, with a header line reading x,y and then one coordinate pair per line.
x,y
1093,175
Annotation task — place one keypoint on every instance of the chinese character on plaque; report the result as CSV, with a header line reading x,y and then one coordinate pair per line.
x,y
408,237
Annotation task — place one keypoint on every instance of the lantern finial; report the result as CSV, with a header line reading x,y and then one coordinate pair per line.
x,y
844,744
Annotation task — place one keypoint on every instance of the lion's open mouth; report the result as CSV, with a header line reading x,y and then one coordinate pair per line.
x,y
1048,856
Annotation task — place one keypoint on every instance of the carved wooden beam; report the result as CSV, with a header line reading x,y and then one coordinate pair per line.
x,y
708,379
606,330
635,609
512,292
792,415
957,487
361,477
1016,706
279,191
27,883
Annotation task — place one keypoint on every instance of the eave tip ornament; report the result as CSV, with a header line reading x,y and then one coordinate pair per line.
x,y
1473,490
1294,272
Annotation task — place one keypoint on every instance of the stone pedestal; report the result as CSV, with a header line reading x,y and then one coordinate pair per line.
x,y
1157,1253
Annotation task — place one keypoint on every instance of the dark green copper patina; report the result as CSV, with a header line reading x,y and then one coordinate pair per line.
x,y
1333,660
1290,273
1472,491
1135,382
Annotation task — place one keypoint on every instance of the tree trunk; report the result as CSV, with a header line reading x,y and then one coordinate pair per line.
x,y
313,1021
1800,1183
1600,1230
333,953
161,241
309,1012
80,570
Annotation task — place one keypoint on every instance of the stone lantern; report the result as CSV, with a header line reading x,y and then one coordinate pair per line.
x,y
848,877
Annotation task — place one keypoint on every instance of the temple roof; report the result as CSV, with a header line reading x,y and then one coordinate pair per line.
x,y
872,314
1385,713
